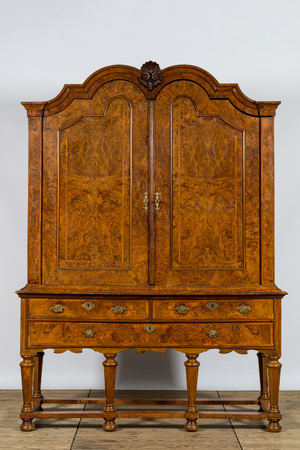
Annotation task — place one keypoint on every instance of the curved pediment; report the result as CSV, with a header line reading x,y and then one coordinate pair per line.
x,y
151,80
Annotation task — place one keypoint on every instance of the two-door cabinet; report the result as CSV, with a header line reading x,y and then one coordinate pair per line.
x,y
151,226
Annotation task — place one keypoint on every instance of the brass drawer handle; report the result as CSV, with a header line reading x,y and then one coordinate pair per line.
x,y
58,308
118,309
182,309
212,305
146,201
212,333
243,309
88,305
156,201
89,333
150,328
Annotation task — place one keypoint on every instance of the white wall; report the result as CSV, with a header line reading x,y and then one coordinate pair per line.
x,y
45,44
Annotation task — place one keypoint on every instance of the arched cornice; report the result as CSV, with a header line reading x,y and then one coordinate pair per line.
x,y
214,89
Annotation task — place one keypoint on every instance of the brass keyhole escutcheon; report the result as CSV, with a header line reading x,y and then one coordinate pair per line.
x,y
212,305
150,328
212,333
182,309
243,309
118,309
88,305
58,308
89,333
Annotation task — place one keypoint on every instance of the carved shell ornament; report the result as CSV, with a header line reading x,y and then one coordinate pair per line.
x,y
150,77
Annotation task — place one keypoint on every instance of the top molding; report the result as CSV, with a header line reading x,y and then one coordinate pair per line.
x,y
150,79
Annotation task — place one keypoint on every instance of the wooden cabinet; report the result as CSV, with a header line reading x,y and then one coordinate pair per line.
x,y
151,226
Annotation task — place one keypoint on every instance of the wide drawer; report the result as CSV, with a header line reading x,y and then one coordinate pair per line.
x,y
60,334
212,309
84,309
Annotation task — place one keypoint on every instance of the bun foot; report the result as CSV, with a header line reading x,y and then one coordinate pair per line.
x,y
274,427
191,425
109,425
27,425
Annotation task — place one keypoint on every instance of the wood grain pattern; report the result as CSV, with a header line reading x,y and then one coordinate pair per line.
x,y
205,152
95,208
225,310
207,188
130,335
219,208
102,310
255,291
267,200
95,229
35,151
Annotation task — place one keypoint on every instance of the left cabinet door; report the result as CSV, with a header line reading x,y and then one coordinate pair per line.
x,y
95,174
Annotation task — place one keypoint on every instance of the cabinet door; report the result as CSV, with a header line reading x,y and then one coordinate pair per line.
x,y
207,177
95,172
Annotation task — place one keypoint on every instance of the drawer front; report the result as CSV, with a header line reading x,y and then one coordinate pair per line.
x,y
212,309
84,309
213,335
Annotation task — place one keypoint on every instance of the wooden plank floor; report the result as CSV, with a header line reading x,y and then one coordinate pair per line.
x,y
146,434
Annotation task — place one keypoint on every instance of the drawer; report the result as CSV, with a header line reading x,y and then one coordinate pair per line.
x,y
84,309
190,310
213,335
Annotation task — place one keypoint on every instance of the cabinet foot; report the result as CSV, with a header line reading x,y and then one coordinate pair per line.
x,y
191,425
274,426
27,425
109,425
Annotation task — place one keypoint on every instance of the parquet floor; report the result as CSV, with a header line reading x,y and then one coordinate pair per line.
x,y
146,434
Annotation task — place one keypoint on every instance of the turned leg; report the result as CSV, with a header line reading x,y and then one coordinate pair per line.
x,y
263,376
37,397
110,370
191,366
26,415
274,415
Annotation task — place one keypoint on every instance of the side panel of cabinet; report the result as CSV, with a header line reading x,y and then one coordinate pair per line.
x,y
95,230
207,175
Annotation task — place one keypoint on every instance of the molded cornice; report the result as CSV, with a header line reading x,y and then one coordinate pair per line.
x,y
214,89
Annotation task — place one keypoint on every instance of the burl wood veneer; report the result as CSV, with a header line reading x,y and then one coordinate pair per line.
x,y
151,226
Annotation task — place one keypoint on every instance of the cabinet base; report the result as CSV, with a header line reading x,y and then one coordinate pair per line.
x,y
190,425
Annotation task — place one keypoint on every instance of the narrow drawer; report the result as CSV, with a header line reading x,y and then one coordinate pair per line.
x,y
181,310
213,335
84,309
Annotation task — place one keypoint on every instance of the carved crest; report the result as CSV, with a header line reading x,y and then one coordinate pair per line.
x,y
150,77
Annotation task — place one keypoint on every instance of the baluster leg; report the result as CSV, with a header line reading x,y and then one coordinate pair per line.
x,y
110,370
274,415
191,366
37,397
26,415
263,376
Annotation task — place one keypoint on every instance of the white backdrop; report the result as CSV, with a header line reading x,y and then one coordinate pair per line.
x,y
45,44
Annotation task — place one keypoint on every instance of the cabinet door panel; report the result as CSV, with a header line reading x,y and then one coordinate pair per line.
x,y
204,232
101,165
